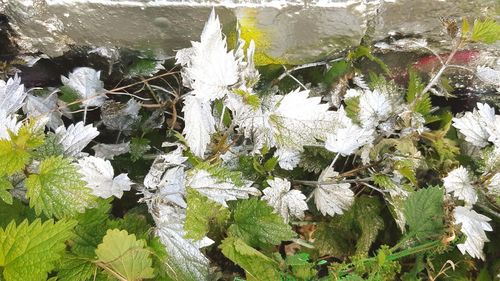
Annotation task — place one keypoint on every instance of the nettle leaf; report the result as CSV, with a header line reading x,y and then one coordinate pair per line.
x,y
367,212
76,137
125,256
257,266
57,190
85,81
5,185
50,147
120,116
30,251
12,95
139,146
424,213
15,212
74,268
257,224
201,213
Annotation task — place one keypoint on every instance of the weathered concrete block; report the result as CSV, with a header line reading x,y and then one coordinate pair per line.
x,y
285,31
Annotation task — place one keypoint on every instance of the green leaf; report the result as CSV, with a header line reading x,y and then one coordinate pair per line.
x,y
133,222
13,158
138,146
423,105
301,267
17,212
486,31
336,70
257,266
315,159
5,185
257,224
424,213
202,213
123,255
143,67
51,147
74,268
57,189
415,86
352,108
30,251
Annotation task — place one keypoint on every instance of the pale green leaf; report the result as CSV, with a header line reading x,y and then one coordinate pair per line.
x,y
257,266
5,185
13,158
257,224
487,31
57,189
30,251
123,255
74,268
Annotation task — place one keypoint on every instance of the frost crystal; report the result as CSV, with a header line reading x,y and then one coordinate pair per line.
x,y
288,203
76,137
99,175
474,226
332,198
458,183
85,81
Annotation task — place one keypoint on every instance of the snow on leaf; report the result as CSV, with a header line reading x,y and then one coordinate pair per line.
x,y
99,175
494,185
474,125
288,203
218,191
85,81
473,225
44,106
208,67
488,75
373,108
109,151
332,198
11,95
199,124
76,137
348,140
459,183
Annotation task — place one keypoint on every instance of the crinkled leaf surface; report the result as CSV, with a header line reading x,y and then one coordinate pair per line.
x,y
424,213
257,224
11,95
85,81
57,190
30,251
76,137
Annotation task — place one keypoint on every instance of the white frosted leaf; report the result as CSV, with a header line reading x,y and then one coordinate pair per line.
x,y
287,159
347,140
11,95
8,122
288,203
488,75
494,185
373,108
119,116
109,151
332,198
473,225
44,106
86,82
199,124
76,137
459,183
99,175
476,126
219,191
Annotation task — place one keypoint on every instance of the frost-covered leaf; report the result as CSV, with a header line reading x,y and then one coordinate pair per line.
x,y
44,106
349,139
257,266
257,224
488,75
30,251
184,256
167,177
57,189
373,108
288,159
85,81
423,211
208,67
199,124
494,185
473,225
219,191
330,197
288,203
119,116
459,183
11,95
201,214
76,137
125,256
8,122
109,151
474,125
99,175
